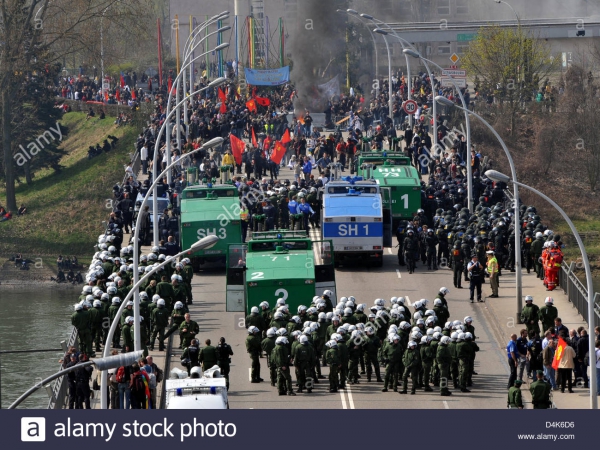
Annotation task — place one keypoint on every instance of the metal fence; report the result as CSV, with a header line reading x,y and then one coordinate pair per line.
x,y
577,293
60,391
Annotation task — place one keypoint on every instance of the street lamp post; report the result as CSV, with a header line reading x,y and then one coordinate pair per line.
x,y
390,93
136,236
203,243
497,176
521,68
434,103
354,13
518,279
409,77
468,125
165,125
102,49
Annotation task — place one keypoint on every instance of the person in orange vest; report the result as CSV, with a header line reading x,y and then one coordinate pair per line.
x,y
554,263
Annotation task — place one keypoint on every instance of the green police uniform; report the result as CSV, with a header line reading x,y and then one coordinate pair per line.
x,y
547,314
344,359
303,355
166,292
255,320
160,320
81,321
464,354
253,348
112,313
393,358
208,357
427,359
444,360
454,364
178,316
267,345
540,394
191,330
530,317
127,338
98,316
281,358
333,361
125,314
412,365
515,399
370,349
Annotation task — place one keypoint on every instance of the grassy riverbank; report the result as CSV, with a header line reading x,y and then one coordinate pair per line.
x,y
66,209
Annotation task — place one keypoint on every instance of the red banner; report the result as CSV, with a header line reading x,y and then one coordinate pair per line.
x,y
558,353
254,141
251,105
262,101
237,148
286,137
278,152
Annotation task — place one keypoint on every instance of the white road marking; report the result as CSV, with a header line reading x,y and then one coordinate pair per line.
x,y
446,404
398,272
350,399
344,406
389,250
408,301
249,373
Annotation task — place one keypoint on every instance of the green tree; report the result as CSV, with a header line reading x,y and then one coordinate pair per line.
x,y
510,64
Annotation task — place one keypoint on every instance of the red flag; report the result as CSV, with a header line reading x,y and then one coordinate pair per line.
x,y
254,92
223,108
122,80
118,95
222,95
251,105
254,141
170,84
133,97
262,101
286,137
278,152
237,148
106,95
558,353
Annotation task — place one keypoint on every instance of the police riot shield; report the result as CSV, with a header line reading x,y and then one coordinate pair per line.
x,y
324,268
236,278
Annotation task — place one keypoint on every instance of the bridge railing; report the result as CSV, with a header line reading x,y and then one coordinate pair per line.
x,y
577,293
59,397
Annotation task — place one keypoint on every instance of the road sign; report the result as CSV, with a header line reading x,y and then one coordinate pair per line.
x,y
454,58
105,85
410,106
460,82
465,37
454,72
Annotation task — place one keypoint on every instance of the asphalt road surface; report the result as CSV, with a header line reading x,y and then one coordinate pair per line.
x,y
366,284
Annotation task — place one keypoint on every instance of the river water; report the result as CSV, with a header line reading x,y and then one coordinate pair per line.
x,y
31,319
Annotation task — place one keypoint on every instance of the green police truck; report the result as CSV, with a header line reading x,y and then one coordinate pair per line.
x,y
208,209
398,180
278,264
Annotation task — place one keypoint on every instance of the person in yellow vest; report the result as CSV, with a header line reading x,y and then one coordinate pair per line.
x,y
492,270
245,220
228,159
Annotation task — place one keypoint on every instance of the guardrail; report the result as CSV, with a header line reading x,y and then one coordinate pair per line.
x,y
60,391
577,293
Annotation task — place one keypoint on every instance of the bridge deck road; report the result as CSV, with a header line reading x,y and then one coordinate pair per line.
x,y
489,386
